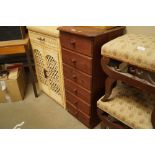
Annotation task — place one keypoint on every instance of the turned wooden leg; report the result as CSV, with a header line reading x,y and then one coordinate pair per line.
x,y
108,88
153,117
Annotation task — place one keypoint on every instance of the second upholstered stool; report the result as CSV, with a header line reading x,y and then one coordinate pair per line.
x,y
130,59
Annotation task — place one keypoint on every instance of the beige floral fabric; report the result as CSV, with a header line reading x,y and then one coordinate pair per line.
x,y
130,106
135,49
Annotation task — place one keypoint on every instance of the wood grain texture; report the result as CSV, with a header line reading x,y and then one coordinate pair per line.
x,y
81,55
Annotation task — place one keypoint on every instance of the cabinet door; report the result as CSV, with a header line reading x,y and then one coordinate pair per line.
x,y
54,75
40,65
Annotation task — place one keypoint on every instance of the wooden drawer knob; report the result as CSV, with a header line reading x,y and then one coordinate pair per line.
x,y
75,103
73,61
75,113
74,76
75,90
73,42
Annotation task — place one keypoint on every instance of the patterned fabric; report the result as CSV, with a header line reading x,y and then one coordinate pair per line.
x,y
129,106
135,49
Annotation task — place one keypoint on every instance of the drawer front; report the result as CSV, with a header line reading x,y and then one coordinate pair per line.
x,y
77,61
78,91
45,40
77,43
78,103
78,114
78,77
72,109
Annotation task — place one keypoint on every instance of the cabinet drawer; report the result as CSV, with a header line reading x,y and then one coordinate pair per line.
x,y
78,77
77,43
78,91
77,61
78,103
85,119
72,109
44,40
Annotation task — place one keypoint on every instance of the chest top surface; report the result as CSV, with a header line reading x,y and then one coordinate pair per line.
x,y
87,31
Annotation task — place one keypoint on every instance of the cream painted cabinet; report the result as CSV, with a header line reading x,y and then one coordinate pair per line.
x,y
48,62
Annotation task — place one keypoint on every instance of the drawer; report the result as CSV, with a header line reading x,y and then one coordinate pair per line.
x,y
44,40
85,119
78,103
78,77
72,109
109,122
78,91
77,61
76,43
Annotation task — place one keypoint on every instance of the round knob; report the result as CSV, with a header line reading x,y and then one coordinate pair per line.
x,y
74,76
75,103
75,90
73,42
73,61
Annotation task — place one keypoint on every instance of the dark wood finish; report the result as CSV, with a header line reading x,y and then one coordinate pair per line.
x,y
109,82
78,90
78,114
114,75
78,103
84,78
77,61
91,31
78,77
108,123
28,55
77,43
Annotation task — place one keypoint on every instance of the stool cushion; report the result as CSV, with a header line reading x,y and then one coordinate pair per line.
x,y
135,49
129,106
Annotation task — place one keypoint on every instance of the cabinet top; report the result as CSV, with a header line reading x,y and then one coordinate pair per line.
x,y
89,31
48,30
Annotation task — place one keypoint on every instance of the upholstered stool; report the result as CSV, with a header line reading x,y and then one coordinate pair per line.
x,y
137,54
129,106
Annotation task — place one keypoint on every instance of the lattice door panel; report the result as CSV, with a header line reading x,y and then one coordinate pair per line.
x,y
40,66
54,76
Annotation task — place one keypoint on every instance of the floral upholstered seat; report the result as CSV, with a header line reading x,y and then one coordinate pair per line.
x,y
135,49
130,106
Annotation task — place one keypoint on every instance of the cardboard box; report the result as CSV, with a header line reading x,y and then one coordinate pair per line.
x,y
12,88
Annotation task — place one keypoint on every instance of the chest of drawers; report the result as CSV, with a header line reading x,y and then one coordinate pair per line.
x,y
48,61
83,76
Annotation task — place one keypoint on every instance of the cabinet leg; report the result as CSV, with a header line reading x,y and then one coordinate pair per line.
x,y
31,70
108,88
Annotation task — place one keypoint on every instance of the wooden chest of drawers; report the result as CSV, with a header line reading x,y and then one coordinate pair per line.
x,y
83,76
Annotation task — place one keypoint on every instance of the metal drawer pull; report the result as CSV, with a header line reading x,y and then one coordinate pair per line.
x,y
41,39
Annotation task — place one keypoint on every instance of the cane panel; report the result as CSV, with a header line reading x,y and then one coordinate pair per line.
x,y
40,65
54,76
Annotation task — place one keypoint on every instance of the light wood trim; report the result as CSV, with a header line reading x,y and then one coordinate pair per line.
x,y
15,42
